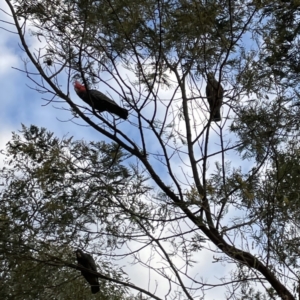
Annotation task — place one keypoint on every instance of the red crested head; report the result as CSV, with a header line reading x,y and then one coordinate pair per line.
x,y
79,87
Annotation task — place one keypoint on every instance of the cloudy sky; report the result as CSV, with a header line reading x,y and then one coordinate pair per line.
x,y
21,103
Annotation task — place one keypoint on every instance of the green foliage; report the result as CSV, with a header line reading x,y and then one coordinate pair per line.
x,y
26,278
229,188
58,195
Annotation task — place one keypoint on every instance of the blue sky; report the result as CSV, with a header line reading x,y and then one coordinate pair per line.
x,y
20,104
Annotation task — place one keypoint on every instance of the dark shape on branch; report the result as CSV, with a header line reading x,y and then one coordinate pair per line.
x,y
99,101
86,260
214,94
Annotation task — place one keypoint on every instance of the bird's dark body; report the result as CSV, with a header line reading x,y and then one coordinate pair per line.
x,y
214,94
101,102
85,260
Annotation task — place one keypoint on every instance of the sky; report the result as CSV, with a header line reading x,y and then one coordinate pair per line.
x,y
21,104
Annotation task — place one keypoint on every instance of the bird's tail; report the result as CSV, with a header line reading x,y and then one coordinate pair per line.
x,y
95,289
217,117
122,113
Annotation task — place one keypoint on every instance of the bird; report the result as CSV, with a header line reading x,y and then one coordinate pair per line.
x,y
99,101
214,94
86,260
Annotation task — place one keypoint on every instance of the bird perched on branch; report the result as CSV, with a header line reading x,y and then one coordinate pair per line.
x,y
86,260
214,94
99,101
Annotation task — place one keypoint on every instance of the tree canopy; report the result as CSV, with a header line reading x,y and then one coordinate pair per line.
x,y
174,188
